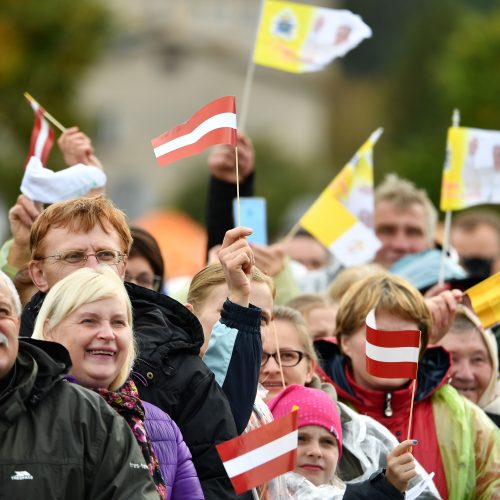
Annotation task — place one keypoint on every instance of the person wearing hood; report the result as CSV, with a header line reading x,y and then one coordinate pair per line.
x,y
453,434
59,440
474,369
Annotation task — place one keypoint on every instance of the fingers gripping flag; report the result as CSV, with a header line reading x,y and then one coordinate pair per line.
x,y
213,124
391,354
262,454
42,136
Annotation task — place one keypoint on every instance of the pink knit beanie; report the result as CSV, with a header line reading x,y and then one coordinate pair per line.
x,y
315,408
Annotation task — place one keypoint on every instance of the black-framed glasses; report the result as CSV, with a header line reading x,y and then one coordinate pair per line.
x,y
289,358
79,257
152,281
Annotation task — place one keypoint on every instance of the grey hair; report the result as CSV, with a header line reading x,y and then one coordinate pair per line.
x,y
14,296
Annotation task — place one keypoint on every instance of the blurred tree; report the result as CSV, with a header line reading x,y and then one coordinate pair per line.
x,y
45,48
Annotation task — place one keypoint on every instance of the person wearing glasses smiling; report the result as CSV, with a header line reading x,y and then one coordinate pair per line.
x,y
86,232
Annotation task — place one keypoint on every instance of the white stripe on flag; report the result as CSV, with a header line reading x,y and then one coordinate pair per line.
x,y
215,122
42,137
261,455
392,354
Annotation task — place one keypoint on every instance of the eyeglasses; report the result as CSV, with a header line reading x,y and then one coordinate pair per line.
x,y
288,358
78,257
146,280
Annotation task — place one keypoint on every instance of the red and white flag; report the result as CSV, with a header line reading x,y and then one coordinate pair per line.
x,y
213,124
42,136
391,354
262,454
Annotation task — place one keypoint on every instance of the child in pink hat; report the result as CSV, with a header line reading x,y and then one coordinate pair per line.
x,y
320,446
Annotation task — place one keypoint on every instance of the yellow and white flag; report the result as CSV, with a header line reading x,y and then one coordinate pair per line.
x,y
471,174
299,38
339,230
353,185
485,300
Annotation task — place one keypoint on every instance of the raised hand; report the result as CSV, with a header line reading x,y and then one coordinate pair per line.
x,y
222,160
237,260
401,466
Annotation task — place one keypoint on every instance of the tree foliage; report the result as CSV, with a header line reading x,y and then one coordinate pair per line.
x,y
45,48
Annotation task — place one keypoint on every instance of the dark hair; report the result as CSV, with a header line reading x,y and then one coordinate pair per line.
x,y
145,245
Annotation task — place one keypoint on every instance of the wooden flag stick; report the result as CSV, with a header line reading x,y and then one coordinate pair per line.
x,y
411,407
278,352
238,218
455,121
249,77
291,233
47,115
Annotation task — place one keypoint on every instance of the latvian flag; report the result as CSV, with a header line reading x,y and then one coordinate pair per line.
x,y
213,124
262,454
42,136
391,354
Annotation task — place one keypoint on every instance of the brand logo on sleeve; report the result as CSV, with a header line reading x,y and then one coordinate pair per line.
x,y
21,475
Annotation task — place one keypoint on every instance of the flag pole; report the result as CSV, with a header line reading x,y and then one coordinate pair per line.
x,y
275,333
291,233
46,114
411,406
249,76
238,218
455,121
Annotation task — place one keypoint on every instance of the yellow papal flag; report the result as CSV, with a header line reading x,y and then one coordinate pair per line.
x,y
471,174
298,38
485,300
353,185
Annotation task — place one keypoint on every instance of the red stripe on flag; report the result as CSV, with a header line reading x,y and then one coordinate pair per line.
x,y
387,338
258,437
225,104
391,370
219,136
265,472
49,141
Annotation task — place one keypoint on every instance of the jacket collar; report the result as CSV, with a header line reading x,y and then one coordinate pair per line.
x,y
39,366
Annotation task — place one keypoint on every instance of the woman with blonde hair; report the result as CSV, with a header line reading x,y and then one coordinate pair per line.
x,y
90,314
453,434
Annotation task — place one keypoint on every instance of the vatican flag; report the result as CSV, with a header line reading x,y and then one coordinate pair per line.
x,y
300,38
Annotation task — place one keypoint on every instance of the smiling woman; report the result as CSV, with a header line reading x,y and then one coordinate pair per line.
x,y
89,313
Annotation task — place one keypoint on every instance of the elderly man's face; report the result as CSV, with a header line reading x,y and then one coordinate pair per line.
x,y
9,327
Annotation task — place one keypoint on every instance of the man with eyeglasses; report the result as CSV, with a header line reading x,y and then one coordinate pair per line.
x,y
168,371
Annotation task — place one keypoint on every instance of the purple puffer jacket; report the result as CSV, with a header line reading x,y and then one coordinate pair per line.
x,y
173,455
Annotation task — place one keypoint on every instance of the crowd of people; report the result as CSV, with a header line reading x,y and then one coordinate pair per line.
x,y
112,389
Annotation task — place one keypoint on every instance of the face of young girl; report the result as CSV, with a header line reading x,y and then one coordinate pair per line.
x,y
317,454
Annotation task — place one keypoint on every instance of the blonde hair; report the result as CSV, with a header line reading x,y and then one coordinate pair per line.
x,y
213,275
403,193
347,277
306,302
81,287
383,292
294,317
80,214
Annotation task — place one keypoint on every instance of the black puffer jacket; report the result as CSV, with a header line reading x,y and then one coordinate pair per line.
x,y
169,374
61,441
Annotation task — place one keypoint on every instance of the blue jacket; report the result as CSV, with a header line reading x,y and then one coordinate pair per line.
x,y
234,354
173,455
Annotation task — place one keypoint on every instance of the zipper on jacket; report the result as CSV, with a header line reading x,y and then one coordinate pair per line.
x,y
387,405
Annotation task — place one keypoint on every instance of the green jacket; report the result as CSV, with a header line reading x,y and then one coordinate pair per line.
x,y
61,441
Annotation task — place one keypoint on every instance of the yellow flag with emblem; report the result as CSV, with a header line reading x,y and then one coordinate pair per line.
x,y
471,174
299,38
